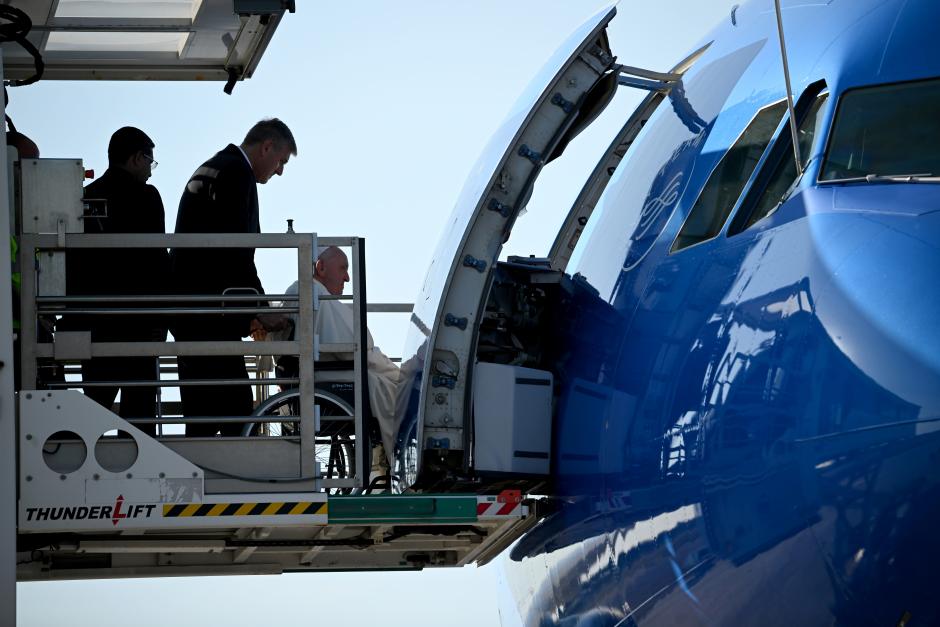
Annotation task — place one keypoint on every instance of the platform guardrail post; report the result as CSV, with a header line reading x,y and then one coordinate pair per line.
x,y
304,335
360,363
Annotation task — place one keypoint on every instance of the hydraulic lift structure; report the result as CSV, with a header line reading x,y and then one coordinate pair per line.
x,y
87,494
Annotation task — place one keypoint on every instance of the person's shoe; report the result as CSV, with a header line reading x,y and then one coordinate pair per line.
x,y
379,460
379,477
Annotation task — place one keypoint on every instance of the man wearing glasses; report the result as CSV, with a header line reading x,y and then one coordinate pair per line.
x,y
122,202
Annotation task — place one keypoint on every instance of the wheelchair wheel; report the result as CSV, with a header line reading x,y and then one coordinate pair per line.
x,y
335,443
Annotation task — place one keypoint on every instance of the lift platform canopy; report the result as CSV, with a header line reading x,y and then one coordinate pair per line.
x,y
135,40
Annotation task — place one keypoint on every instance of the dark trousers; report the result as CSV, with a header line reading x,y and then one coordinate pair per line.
x,y
213,400
136,402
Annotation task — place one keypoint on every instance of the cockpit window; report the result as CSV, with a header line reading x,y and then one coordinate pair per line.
x,y
890,130
726,181
772,193
651,181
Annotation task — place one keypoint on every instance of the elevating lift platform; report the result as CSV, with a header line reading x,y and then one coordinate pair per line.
x,y
98,498
156,517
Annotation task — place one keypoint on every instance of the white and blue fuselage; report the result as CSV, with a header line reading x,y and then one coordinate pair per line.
x,y
747,421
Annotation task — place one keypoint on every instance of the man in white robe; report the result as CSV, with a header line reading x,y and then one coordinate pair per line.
x,y
333,324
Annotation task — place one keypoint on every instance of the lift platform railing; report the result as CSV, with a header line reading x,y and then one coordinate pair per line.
x,y
77,346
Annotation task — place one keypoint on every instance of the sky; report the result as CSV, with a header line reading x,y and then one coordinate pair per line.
x,y
391,103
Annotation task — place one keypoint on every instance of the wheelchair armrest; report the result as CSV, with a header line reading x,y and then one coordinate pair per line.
x,y
333,366
326,370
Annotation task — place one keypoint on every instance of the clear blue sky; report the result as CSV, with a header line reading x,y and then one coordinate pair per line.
x,y
391,103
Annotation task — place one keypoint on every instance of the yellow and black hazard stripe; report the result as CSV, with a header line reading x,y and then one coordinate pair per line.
x,y
194,510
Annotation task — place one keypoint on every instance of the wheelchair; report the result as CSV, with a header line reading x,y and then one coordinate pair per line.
x,y
334,393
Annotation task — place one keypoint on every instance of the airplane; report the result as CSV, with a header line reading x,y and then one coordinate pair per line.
x,y
724,374
737,322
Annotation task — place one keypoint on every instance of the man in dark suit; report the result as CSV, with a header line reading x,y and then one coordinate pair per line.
x,y
130,206
222,197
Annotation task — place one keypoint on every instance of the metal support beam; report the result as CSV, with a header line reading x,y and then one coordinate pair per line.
x,y
642,83
666,77
8,437
646,79
786,79
242,554
151,546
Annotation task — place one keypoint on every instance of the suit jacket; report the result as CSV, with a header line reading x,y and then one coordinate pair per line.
x,y
132,207
220,197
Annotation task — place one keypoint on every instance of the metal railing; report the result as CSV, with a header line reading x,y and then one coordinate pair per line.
x,y
304,304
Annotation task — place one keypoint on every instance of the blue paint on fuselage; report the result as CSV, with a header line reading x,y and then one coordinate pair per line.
x,y
749,428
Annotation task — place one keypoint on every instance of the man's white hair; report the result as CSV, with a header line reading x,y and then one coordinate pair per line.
x,y
321,250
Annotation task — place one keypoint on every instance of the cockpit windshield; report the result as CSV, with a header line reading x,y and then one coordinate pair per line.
x,y
885,131
650,182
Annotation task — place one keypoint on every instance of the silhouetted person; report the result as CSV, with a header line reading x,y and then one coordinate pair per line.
x,y
132,206
222,197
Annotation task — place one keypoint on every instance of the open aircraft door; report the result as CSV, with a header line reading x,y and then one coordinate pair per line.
x,y
574,86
